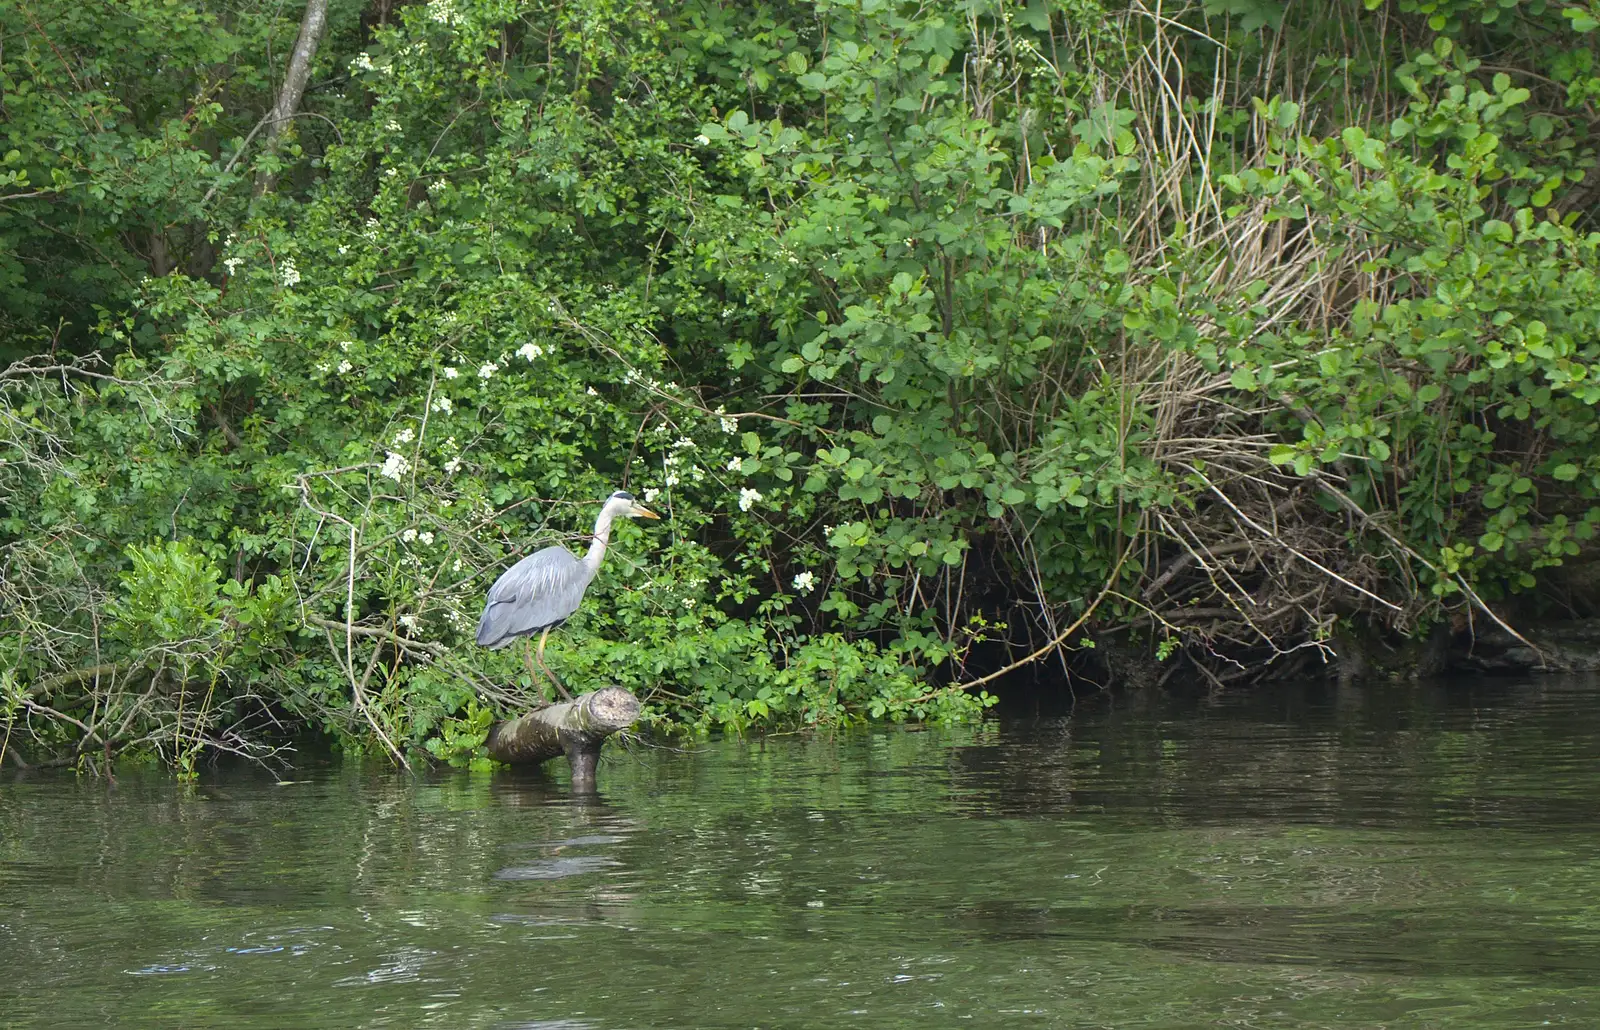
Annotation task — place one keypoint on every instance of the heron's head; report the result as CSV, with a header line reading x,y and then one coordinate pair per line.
x,y
624,503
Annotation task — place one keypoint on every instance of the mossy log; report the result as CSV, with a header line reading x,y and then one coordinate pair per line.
x,y
575,728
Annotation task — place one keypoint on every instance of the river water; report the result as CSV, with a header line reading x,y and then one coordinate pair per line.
x,y
1314,857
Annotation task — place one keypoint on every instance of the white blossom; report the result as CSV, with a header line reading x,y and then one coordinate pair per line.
x,y
324,367
232,264
729,423
362,62
408,536
688,602
530,350
805,582
408,621
736,464
390,173
592,392
345,366
405,435
451,372
436,185
343,249
703,139
682,443
395,466
748,498
392,125
669,460
650,495
425,537
287,273
442,405
456,565
453,464
344,345
444,12
487,369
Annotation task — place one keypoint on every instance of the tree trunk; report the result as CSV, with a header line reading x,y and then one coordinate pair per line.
x,y
294,81
576,728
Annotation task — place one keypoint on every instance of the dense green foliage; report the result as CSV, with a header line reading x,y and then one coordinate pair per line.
x,y
924,325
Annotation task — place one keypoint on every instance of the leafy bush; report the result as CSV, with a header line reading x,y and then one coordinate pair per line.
x,y
1019,325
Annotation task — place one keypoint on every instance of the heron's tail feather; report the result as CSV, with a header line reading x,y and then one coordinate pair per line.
x,y
490,633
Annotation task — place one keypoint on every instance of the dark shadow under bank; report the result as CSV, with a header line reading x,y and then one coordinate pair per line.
x,y
1466,662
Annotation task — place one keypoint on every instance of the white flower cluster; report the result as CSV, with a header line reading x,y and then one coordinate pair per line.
x,y
651,494
287,273
451,372
735,464
729,423
703,139
748,498
232,264
442,405
436,186
394,466
487,369
630,376
405,436
444,12
805,582
530,350
362,62
345,366
453,464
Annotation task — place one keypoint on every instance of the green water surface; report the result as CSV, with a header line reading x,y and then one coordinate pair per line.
x,y
1366,857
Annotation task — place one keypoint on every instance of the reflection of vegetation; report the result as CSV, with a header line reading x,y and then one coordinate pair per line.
x,y
927,325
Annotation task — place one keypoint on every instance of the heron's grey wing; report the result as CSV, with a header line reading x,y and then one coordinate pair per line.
x,y
538,591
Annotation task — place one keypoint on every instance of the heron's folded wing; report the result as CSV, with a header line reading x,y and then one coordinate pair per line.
x,y
538,591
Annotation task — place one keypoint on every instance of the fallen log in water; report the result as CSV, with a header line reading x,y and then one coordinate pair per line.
x,y
576,728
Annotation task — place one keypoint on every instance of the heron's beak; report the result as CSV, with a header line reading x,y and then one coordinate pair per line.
x,y
639,511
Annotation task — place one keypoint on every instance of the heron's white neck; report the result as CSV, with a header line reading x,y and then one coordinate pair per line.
x,y
602,536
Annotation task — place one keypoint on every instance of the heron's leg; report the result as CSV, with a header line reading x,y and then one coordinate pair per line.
x,y
542,638
527,657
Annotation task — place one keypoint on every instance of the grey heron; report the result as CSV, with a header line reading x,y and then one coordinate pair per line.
x,y
541,591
